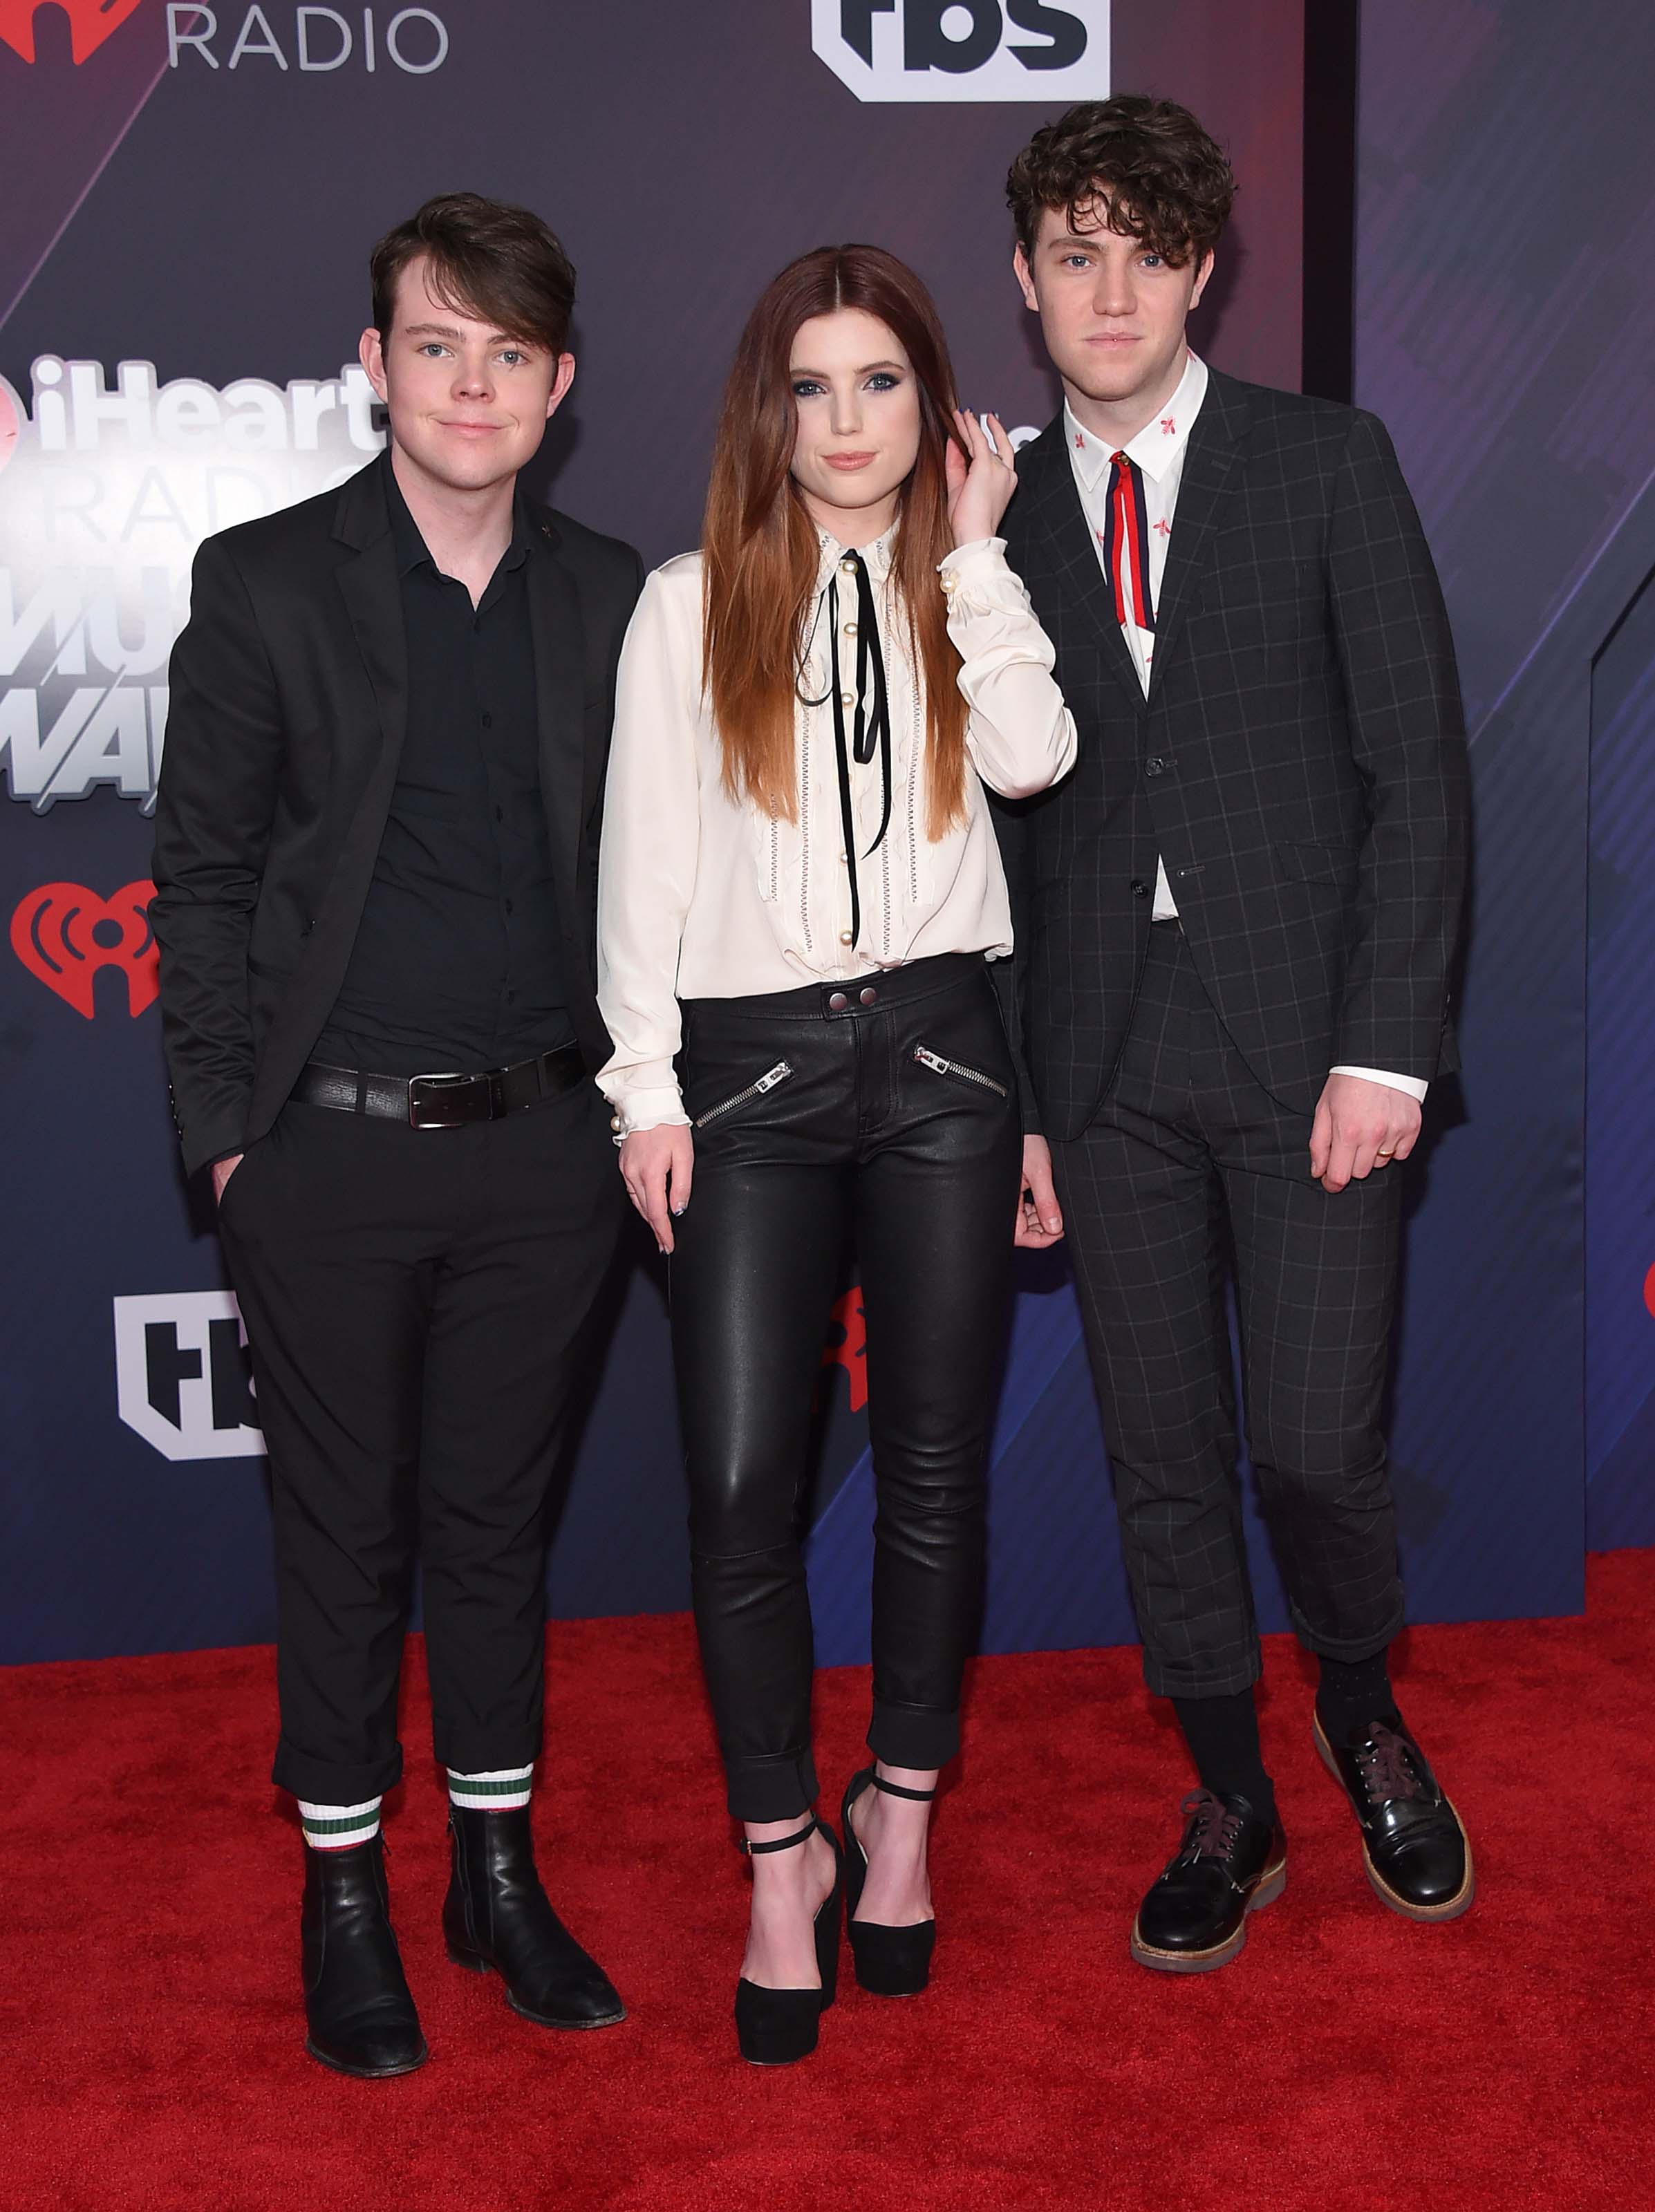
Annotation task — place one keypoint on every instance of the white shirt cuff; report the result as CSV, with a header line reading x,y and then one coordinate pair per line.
x,y
1410,1083
646,1108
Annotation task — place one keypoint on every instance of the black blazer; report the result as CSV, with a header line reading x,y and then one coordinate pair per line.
x,y
284,731
1300,762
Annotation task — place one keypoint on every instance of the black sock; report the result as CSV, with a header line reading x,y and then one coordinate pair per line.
x,y
1222,1734
1352,1695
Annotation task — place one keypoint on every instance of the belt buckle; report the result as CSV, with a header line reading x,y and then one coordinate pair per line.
x,y
424,1111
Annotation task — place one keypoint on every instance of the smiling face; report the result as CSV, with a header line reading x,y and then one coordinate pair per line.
x,y
1111,309
858,404
468,403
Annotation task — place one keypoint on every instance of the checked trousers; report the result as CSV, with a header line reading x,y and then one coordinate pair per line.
x,y
1191,1176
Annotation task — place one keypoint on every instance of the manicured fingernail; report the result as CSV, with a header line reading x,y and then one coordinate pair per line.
x,y
685,1208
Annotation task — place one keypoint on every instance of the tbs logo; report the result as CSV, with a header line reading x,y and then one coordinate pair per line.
x,y
182,1375
965,49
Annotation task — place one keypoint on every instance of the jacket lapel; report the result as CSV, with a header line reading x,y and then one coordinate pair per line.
x,y
1059,540
560,696
372,593
1210,467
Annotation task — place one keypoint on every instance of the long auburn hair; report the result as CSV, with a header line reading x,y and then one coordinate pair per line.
x,y
759,545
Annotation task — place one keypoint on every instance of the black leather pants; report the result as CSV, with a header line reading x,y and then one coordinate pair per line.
x,y
884,1108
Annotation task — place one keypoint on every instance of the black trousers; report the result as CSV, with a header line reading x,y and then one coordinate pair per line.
x,y
885,1109
414,1302
1191,1172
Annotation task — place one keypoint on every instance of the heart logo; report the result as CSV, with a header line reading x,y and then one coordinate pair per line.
x,y
90,23
64,933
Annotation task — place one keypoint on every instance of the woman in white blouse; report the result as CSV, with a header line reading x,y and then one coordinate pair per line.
x,y
800,890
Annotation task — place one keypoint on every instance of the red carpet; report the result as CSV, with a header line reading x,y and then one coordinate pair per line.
x,y
1349,2059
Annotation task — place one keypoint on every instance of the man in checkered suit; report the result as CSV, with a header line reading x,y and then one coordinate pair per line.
x,y
1235,923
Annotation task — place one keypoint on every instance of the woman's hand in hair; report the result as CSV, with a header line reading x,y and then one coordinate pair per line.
x,y
980,490
657,1166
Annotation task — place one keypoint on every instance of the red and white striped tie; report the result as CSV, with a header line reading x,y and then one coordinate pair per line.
x,y
1126,543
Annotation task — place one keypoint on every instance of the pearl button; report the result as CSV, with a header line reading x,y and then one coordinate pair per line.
x,y
846,568
845,936
616,1123
850,629
950,580
847,698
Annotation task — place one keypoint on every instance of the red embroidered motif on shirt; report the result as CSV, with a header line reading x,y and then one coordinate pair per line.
x,y
1168,426
1165,527
1080,439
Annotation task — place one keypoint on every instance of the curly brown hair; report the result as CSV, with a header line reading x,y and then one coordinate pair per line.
x,y
1145,165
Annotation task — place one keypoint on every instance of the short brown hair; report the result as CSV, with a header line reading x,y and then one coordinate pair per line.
x,y
501,263
1145,165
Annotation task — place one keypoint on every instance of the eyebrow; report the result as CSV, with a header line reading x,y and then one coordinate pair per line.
x,y
866,369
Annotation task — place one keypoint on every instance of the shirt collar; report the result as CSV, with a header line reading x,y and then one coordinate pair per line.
x,y
876,557
1157,445
411,548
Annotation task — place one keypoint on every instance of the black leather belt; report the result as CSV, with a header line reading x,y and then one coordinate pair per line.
x,y
443,1102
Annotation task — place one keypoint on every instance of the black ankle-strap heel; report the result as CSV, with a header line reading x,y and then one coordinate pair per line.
x,y
775,2027
890,1962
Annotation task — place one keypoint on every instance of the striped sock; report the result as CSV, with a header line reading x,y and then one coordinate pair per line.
x,y
501,1790
336,1827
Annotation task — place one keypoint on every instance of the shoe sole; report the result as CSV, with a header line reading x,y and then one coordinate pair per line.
x,y
1271,1883
473,1965
367,2073
1463,1897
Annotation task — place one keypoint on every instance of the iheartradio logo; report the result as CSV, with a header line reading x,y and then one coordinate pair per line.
x,y
90,23
64,933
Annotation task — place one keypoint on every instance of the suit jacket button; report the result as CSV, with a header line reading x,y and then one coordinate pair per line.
x,y
1154,767
1140,889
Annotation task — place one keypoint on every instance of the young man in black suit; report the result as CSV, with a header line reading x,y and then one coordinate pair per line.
x,y
1235,921
375,878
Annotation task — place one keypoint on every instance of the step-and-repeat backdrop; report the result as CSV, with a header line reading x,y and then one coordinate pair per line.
x,y
190,194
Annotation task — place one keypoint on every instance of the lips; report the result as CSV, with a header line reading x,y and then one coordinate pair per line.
x,y
847,462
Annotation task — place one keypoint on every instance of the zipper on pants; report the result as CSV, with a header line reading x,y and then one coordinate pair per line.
x,y
939,1065
779,1074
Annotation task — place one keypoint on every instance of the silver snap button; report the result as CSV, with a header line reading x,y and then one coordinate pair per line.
x,y
870,997
838,1003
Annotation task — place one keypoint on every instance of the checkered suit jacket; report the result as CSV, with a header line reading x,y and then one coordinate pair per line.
x,y
1300,762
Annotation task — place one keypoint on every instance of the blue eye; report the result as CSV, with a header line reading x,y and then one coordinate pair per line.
x,y
883,381
806,387
1154,261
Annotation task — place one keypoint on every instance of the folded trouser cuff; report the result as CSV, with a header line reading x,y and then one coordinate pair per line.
x,y
772,1789
325,1782
1165,1681
923,1736
1350,1650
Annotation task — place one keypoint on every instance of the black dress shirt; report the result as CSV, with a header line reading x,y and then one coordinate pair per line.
x,y
456,962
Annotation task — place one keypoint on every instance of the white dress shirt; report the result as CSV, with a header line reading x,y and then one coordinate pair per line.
x,y
703,896
1158,450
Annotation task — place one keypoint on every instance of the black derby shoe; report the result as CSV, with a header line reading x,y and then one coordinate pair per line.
x,y
1417,1859
1230,1864
498,1916
360,2014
